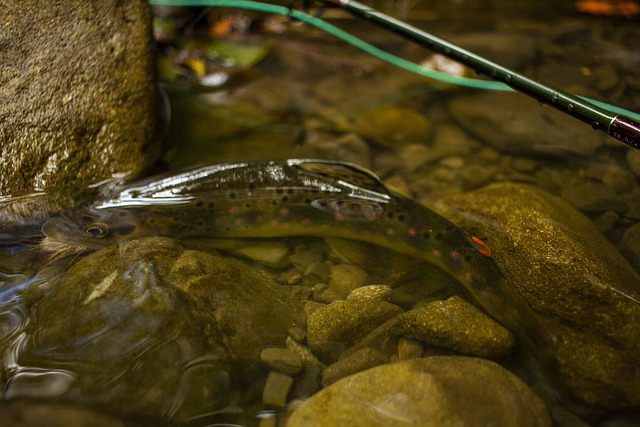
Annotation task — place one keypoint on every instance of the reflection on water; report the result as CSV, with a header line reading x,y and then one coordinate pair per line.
x,y
136,331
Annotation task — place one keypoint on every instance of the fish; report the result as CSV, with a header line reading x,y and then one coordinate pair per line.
x,y
298,197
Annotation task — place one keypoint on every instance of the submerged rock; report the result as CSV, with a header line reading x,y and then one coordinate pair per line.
x,y
392,125
457,325
150,328
24,413
429,392
78,94
570,274
525,126
335,327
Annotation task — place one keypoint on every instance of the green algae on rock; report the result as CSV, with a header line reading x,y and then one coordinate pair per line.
x,y
334,328
570,274
79,96
457,325
428,392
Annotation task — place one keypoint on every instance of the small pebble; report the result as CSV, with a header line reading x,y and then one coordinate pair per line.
x,y
298,334
414,156
307,383
276,389
444,174
359,360
457,325
592,197
346,277
475,175
322,293
282,360
409,349
270,253
488,155
305,353
525,165
606,221
337,326
318,271
453,162
620,180
376,292
390,125
303,257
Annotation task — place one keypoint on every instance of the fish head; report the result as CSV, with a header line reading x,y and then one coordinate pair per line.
x,y
90,229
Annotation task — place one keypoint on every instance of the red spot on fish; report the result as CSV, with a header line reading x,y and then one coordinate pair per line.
x,y
436,252
283,212
234,210
481,246
468,277
305,221
412,232
454,254
239,221
259,219
339,217
390,231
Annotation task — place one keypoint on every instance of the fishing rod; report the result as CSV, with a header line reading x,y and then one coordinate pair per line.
x,y
619,123
618,126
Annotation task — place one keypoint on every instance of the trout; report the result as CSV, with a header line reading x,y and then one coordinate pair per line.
x,y
298,197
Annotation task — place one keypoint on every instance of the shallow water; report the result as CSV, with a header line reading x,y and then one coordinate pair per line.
x,y
316,97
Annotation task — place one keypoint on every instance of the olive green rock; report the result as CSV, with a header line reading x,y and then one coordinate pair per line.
x,y
524,127
457,325
175,328
392,125
334,328
78,93
573,277
24,413
429,392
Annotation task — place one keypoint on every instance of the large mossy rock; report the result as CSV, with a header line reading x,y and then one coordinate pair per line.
x,y
573,277
149,329
429,392
78,93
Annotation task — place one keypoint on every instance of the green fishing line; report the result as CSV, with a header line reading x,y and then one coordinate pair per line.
x,y
368,48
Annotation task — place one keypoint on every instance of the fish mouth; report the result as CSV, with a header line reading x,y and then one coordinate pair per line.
x,y
58,240
56,228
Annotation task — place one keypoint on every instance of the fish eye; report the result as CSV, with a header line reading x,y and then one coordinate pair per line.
x,y
97,229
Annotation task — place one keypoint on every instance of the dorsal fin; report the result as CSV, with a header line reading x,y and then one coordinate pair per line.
x,y
346,172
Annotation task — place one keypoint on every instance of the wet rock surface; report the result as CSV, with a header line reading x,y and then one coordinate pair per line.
x,y
457,325
567,271
521,120
32,414
187,320
79,101
434,391
334,328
